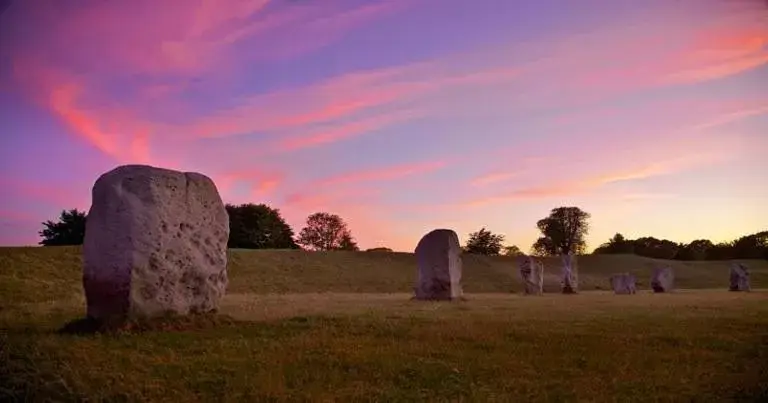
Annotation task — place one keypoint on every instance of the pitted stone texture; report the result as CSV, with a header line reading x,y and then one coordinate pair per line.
x,y
663,279
739,277
531,274
439,261
570,283
624,283
155,243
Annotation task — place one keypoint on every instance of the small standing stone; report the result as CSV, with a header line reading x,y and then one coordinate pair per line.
x,y
663,279
570,274
155,243
624,283
739,277
439,262
532,275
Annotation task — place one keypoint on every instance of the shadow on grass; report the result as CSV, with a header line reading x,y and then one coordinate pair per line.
x,y
165,323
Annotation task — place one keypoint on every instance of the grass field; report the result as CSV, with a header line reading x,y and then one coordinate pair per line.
x,y
340,326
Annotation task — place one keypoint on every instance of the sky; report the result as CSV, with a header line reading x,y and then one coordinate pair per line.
x,y
401,116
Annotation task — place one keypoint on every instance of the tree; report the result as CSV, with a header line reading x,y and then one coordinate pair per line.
x,y
379,249
562,231
512,251
325,231
616,245
348,243
484,242
258,226
656,248
696,250
70,230
721,251
753,246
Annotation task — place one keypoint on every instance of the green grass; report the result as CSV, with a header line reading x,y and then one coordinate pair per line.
x,y
340,327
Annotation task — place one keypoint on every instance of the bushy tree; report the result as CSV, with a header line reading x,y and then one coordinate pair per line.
x,y
563,231
753,246
325,231
258,226
69,230
616,245
484,242
379,249
696,250
348,243
656,248
512,250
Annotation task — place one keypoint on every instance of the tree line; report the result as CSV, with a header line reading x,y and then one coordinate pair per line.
x,y
564,230
251,226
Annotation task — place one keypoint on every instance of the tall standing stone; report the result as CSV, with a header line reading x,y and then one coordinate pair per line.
x,y
570,284
624,283
155,243
438,255
663,279
739,277
532,275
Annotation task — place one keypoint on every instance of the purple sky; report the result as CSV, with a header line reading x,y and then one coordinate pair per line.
x,y
401,115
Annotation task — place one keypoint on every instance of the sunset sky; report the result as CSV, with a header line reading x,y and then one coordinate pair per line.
x,y
401,115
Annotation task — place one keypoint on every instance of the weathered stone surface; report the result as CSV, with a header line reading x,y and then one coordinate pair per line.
x,y
570,284
739,277
624,283
155,242
531,274
663,279
439,261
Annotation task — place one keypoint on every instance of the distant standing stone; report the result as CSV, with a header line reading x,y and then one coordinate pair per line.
x,y
531,274
739,277
155,242
438,255
570,284
624,283
663,279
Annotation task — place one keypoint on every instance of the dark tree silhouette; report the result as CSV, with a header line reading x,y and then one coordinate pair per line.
x,y
696,250
69,230
562,231
484,242
379,249
512,250
325,231
258,226
753,246
348,243
656,248
616,245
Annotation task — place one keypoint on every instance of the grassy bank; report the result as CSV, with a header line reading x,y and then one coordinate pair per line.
x,y
340,326
35,274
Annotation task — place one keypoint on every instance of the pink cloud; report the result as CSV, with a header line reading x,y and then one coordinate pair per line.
x,y
731,117
384,174
344,131
59,196
492,178
533,83
588,184
16,216
261,181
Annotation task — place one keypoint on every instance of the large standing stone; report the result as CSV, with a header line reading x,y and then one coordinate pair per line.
x,y
624,283
532,275
570,284
739,277
439,260
155,242
663,279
